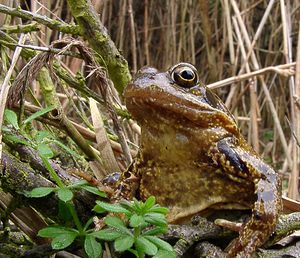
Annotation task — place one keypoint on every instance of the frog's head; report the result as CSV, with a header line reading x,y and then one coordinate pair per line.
x,y
177,95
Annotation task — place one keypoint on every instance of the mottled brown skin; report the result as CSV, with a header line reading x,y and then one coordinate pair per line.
x,y
193,157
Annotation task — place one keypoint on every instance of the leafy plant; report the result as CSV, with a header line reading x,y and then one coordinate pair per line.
x,y
138,231
40,140
63,237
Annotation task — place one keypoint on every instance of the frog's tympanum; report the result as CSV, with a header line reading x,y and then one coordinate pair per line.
x,y
193,157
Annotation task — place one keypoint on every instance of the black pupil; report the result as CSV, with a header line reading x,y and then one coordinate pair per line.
x,y
187,74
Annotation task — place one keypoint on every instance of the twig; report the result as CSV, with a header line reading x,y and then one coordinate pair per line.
x,y
229,31
47,49
133,37
20,28
103,145
284,70
6,85
259,30
293,191
50,23
96,34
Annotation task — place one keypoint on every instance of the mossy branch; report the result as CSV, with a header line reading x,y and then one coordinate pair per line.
x,y
20,28
95,33
50,23
18,177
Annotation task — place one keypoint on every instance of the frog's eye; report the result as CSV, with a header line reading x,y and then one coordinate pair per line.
x,y
184,75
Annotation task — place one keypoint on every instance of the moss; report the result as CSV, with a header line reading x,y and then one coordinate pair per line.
x,y
95,33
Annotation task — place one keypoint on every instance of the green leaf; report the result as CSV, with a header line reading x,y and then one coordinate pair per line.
x,y
113,207
268,135
11,117
88,223
93,190
108,234
136,221
123,243
92,248
117,223
146,246
41,135
45,151
63,240
98,209
157,219
78,183
114,221
158,209
53,231
149,203
38,114
156,231
165,254
39,192
128,205
65,194
137,205
161,244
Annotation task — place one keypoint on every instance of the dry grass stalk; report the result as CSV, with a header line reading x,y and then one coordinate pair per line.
x,y
5,87
294,177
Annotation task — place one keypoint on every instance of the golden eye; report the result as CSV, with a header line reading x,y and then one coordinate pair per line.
x,y
184,75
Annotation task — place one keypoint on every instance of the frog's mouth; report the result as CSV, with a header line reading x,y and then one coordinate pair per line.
x,y
148,103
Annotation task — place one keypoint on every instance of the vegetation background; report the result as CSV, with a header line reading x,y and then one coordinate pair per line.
x,y
247,51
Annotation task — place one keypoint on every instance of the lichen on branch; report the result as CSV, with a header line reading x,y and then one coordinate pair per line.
x,y
95,33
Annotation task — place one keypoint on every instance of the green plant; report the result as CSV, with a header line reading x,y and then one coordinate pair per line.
x,y
62,236
138,231
40,140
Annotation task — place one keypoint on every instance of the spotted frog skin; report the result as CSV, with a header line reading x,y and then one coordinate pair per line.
x,y
193,157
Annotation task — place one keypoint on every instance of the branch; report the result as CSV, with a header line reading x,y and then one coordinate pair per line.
x,y
50,23
283,69
95,33
20,28
18,177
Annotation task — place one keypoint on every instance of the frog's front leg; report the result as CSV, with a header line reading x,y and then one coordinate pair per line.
x,y
240,162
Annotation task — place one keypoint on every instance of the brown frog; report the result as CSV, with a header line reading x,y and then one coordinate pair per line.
x,y
193,157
